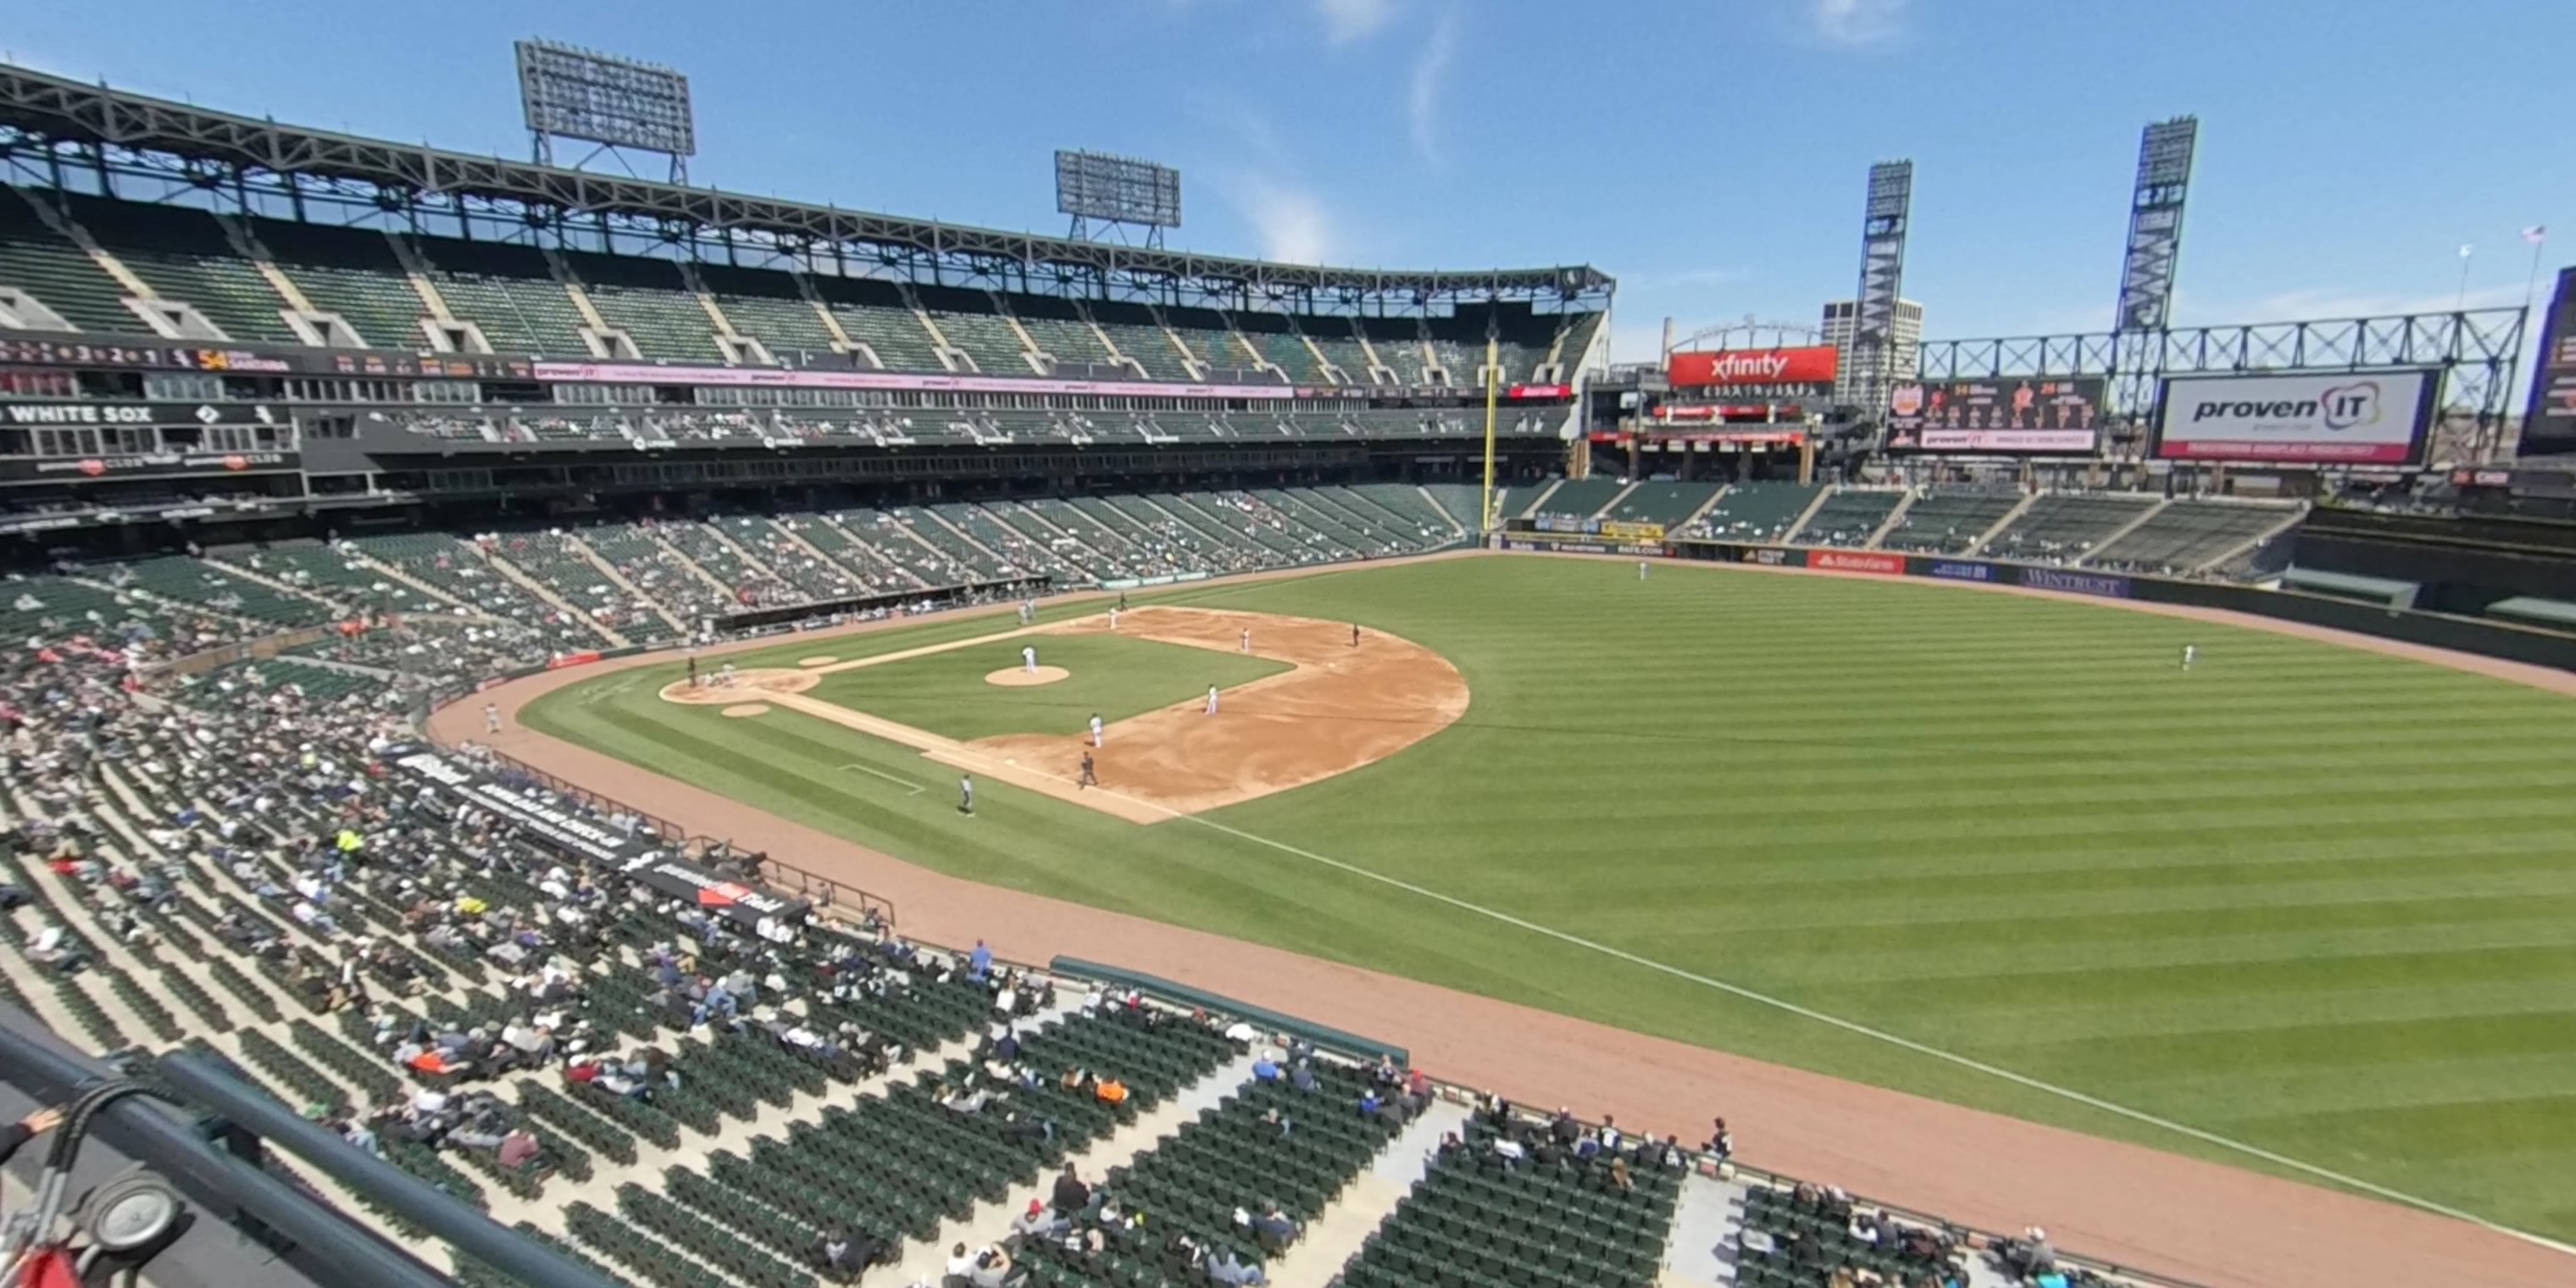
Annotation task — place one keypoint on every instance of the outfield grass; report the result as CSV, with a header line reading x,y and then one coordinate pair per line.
x,y
2309,898
1114,676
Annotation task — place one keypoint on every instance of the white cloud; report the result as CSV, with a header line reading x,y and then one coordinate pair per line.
x,y
1349,20
1430,75
1293,223
1856,23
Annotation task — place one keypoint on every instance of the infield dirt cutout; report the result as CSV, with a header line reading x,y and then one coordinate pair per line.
x,y
1338,707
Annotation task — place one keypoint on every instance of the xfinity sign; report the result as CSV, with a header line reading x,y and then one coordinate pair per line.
x,y
2326,418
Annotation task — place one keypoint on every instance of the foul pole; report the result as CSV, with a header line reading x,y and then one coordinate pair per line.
x,y
1493,374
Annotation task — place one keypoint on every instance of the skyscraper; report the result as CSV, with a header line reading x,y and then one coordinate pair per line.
x,y
1840,324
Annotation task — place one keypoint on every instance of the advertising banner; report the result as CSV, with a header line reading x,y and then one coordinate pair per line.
x,y
1798,371
2549,421
1881,565
2075,583
76,415
2023,416
2328,418
144,465
629,373
1960,570
1775,557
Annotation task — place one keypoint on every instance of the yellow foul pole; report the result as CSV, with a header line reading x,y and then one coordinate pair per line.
x,y
1493,387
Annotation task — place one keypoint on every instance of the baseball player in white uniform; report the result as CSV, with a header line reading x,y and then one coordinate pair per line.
x,y
1029,658
1641,570
1211,710
1095,728
965,793
1244,645
2190,654
726,679
1025,609
1113,619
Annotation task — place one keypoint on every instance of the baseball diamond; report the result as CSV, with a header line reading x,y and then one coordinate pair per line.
x,y
2000,827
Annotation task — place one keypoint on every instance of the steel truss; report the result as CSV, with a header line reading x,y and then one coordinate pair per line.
x,y
2477,350
88,137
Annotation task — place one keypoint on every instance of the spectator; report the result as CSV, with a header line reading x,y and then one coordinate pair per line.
x,y
1071,1195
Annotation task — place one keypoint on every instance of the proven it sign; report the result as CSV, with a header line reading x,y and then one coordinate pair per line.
x,y
2333,418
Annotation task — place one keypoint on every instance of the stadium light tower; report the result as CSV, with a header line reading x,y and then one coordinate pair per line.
x,y
2155,250
617,103
1116,190
1882,280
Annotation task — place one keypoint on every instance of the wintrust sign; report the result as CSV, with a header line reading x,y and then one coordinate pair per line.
x,y
2336,418
1803,365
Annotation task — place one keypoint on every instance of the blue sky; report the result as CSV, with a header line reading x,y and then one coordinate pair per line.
x,y
1710,154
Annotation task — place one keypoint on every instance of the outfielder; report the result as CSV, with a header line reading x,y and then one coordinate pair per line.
x,y
1029,659
1095,728
1089,778
966,794
2190,654
1024,612
1211,710
1641,570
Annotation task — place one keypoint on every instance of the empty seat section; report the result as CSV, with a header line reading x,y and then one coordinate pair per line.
x,y
510,292
185,255
352,272
44,263
2065,526
1576,498
1665,503
875,315
1948,521
764,304
1754,512
1848,517
648,299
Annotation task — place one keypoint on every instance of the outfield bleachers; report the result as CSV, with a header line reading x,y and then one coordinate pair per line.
x,y
2064,527
1576,498
1762,512
1847,517
1665,503
1948,522
2189,533
44,263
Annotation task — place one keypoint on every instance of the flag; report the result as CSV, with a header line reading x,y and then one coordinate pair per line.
x,y
2536,234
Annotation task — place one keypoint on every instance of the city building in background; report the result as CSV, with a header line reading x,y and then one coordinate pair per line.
x,y
1905,338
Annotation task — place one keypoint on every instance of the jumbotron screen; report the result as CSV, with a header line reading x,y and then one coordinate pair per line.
x,y
2010,415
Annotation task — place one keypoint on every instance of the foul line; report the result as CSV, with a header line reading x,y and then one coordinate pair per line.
x,y
1875,1034
914,789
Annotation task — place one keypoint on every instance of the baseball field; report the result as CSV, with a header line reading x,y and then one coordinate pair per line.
x,y
2301,905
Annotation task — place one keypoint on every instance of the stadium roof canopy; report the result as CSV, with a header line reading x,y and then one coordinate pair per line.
x,y
41,112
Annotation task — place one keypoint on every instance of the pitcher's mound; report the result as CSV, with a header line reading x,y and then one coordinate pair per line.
x,y
747,709
1012,677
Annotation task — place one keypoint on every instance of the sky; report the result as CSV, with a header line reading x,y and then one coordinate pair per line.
x,y
1710,154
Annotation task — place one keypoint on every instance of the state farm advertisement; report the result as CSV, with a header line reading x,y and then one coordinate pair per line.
x,y
2333,418
1857,561
1737,369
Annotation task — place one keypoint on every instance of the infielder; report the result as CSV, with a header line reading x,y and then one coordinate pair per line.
x,y
1244,645
1113,619
491,718
1355,635
1089,778
726,679
2190,654
1211,710
1029,659
1095,728
966,794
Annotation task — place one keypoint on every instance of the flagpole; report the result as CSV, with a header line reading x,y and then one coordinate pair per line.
x,y
2531,282
2461,304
